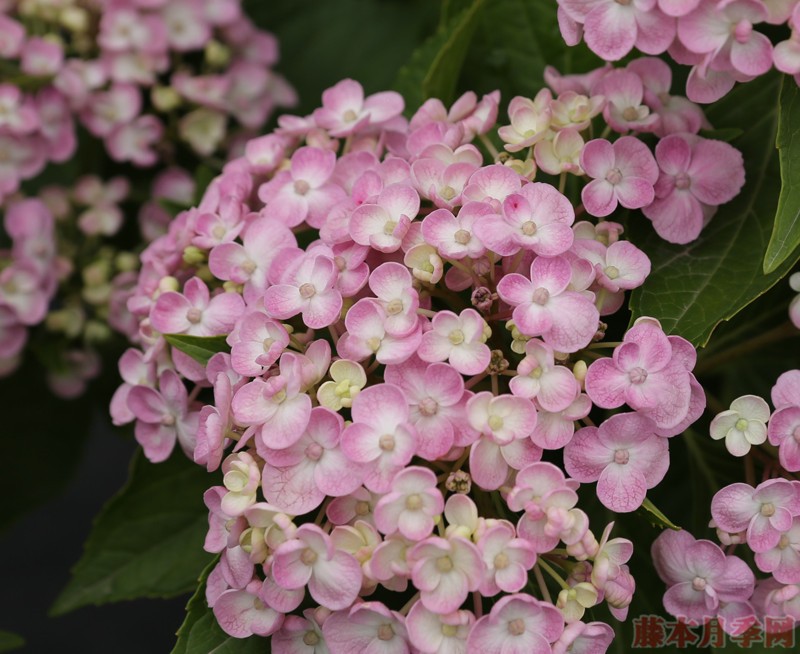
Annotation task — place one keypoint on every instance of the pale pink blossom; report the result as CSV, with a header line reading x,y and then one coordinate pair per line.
x,y
459,339
366,627
195,312
624,455
453,236
517,624
566,320
411,505
366,335
530,120
431,632
384,224
554,387
242,613
333,577
345,111
623,172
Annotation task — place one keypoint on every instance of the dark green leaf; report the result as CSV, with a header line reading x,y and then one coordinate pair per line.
x,y
147,541
727,134
9,641
324,42
656,516
516,39
786,233
200,633
692,288
200,348
434,68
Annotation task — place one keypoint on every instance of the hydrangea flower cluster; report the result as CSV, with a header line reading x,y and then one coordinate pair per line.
x,y
704,581
124,70
405,336
121,70
717,38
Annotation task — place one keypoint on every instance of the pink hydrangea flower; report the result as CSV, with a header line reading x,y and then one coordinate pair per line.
x,y
459,339
699,575
537,218
310,559
691,180
432,632
345,110
381,435
366,335
765,512
453,236
242,613
554,387
195,312
366,627
566,320
623,172
411,505
517,624
624,455
384,224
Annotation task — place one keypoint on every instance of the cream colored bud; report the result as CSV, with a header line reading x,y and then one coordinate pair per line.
x,y
165,98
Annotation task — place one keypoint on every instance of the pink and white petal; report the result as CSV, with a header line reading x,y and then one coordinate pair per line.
x,y
335,584
514,289
753,57
733,507
677,218
609,30
575,320
585,457
621,489
322,310
292,489
156,440
283,301
486,465
469,358
634,192
599,198
313,165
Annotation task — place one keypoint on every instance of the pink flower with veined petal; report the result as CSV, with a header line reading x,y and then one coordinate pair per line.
x,y
310,558
530,120
242,613
304,192
459,339
620,266
453,235
392,284
566,320
539,488
310,289
623,172
554,387
624,456
432,633
366,335
612,29
384,224
445,570
259,343
695,174
729,29
765,511
194,312
784,431
625,109
517,624
538,218
249,263
554,430
436,399
492,184
411,505
299,477
700,576
345,111
381,434
366,627
582,638
507,559
163,416
645,373
276,407
783,560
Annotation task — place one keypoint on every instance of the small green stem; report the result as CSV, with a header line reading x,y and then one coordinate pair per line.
x,y
549,570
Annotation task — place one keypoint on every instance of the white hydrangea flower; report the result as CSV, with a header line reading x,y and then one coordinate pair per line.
x,y
743,425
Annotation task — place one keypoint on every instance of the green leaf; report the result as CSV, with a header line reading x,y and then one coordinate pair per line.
x,y
324,42
786,232
726,134
514,42
200,633
147,541
200,348
9,641
434,68
692,288
657,517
